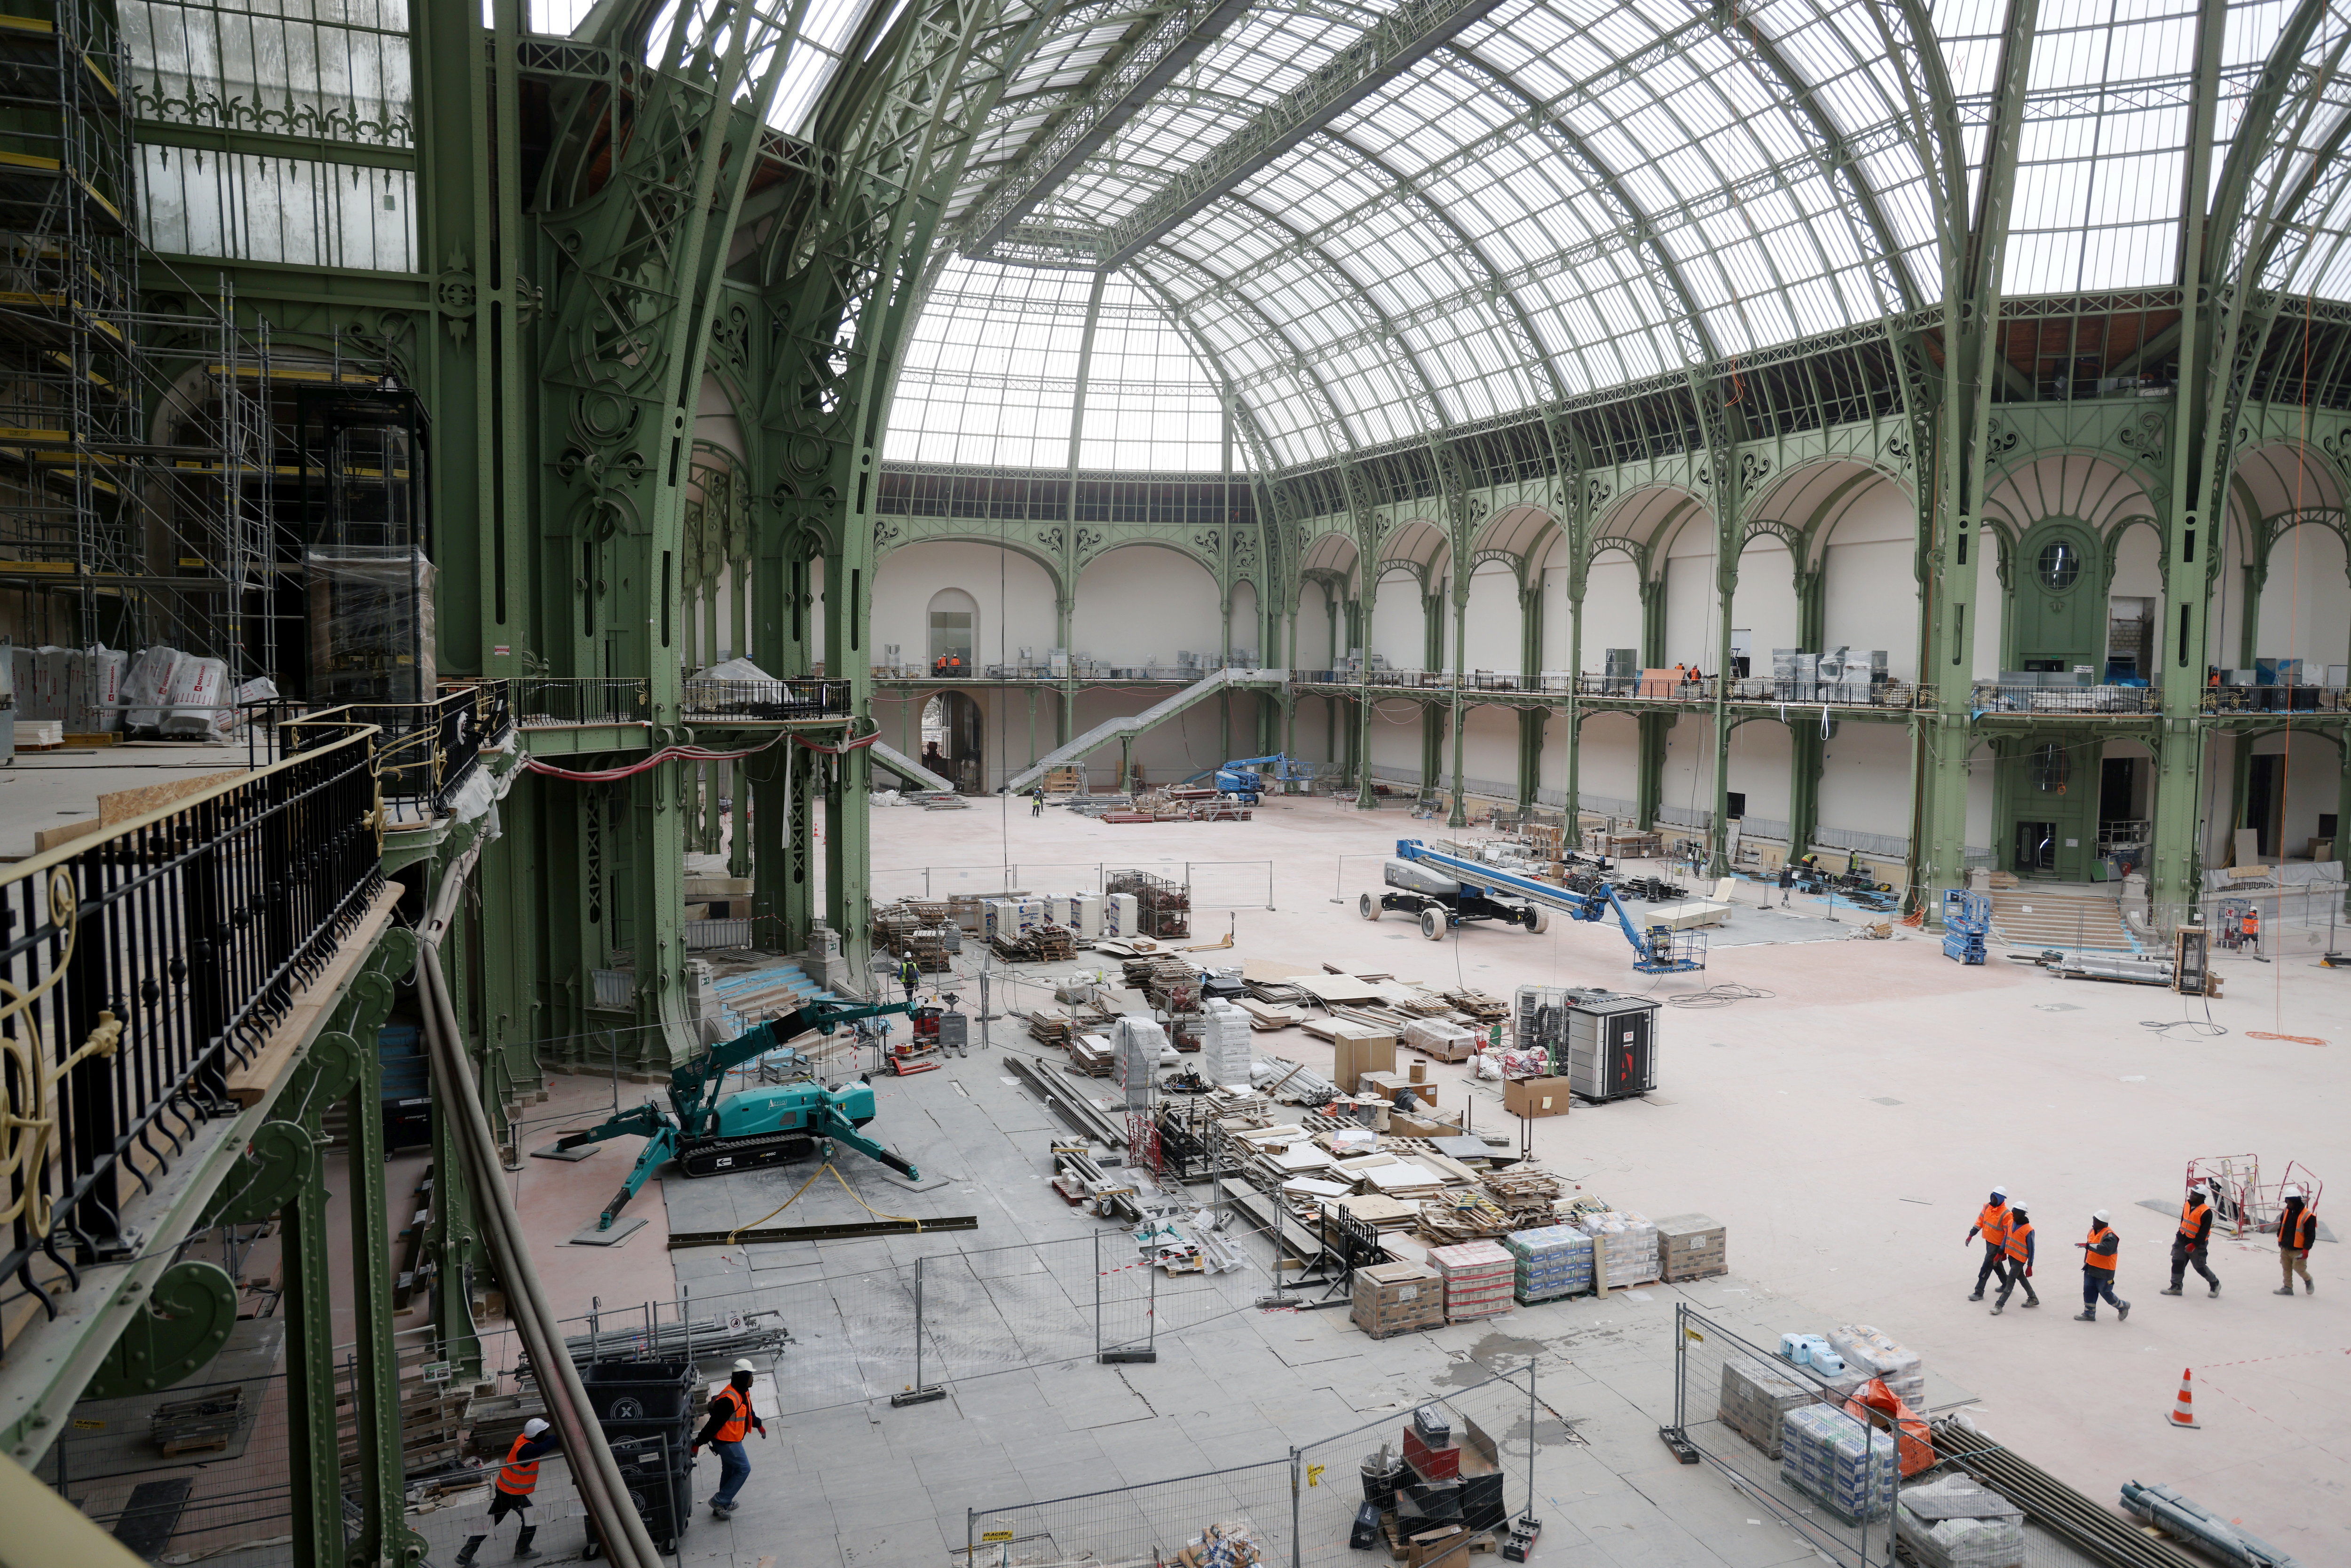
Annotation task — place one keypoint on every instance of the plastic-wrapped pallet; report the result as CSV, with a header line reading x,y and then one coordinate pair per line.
x,y
1479,1279
1436,1038
199,687
1135,1044
1754,1399
1838,1461
1873,1353
1552,1261
1955,1523
1628,1245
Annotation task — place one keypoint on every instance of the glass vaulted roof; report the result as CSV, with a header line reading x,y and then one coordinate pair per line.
x,y
1559,197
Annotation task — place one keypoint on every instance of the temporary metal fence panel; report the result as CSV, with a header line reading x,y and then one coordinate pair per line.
x,y
1143,1525
1502,1410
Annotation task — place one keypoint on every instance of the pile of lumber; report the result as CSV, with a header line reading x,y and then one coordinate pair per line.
x,y
1051,1026
1171,983
1464,1214
1040,944
1526,1192
1477,1004
1091,1055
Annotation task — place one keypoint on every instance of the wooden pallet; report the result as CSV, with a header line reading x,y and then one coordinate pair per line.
x,y
1401,1551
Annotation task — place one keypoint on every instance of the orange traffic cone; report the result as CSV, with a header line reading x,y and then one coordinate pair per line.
x,y
2183,1409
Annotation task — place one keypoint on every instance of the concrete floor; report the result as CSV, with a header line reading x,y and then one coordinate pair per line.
x,y
51,789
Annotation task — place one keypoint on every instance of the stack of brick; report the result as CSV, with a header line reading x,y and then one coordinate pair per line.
x,y
1225,1044
1691,1247
1841,1463
1756,1398
1553,1260
1479,1277
1398,1297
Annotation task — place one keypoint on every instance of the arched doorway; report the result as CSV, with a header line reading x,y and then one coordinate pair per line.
x,y
953,631
951,735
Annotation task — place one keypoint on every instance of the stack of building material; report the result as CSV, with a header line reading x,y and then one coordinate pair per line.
x,y
1162,908
1953,1522
1357,1049
1549,1262
1629,1246
1462,1214
1266,1015
1875,1354
1136,1042
1407,1181
1477,1006
1691,1247
1756,1398
1292,1083
1051,1026
1092,1055
1444,1041
1042,943
1526,1191
1478,1279
1845,1466
1003,918
1225,1044
1382,1214
1391,1299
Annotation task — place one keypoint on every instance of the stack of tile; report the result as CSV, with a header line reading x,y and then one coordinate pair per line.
x,y
1397,1298
1137,1042
1952,1522
1092,1055
1051,1026
1691,1248
1225,1044
1845,1466
1384,1215
1407,1181
1875,1354
1550,1261
1628,1247
1236,1100
1755,1399
1479,1279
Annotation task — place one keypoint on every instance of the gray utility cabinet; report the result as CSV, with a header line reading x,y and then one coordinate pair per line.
x,y
1610,1045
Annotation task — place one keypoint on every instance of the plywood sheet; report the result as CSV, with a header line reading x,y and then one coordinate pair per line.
x,y
123,805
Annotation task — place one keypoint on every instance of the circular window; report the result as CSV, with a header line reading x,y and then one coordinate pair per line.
x,y
2061,564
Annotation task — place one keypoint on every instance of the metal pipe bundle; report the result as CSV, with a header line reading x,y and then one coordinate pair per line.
x,y
2164,1506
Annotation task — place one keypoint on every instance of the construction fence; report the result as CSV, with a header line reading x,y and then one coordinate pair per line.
x,y
1300,1508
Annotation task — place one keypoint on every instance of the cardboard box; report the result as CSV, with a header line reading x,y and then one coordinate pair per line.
x,y
1691,1247
1535,1096
1397,1298
1357,1049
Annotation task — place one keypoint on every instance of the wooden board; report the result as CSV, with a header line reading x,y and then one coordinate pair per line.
x,y
247,1085
121,805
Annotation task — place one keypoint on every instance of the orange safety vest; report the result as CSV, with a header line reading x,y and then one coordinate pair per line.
x,y
2092,1259
2019,1242
738,1425
514,1475
2251,924
1993,1222
2191,1220
2304,1232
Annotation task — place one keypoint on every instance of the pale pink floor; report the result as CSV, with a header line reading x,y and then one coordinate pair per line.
x,y
1767,1118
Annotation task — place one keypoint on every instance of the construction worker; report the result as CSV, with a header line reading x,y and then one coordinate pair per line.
x,y
1787,882
2249,931
2195,1236
516,1479
2297,1233
2099,1255
2020,1261
1037,800
732,1419
909,975
1992,1224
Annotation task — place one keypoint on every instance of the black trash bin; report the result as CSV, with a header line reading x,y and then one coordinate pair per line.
x,y
640,1391
659,1477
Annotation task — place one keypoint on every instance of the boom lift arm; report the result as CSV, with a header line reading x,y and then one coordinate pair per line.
x,y
1656,952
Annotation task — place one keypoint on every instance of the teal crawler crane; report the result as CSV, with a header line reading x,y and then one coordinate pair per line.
x,y
711,1133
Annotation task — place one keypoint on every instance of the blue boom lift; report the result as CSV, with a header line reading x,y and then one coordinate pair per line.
x,y
1245,778
710,1134
1446,890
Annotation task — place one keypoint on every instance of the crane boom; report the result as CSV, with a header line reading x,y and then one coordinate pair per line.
x,y
1655,952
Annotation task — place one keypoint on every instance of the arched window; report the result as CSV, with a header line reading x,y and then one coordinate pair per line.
x,y
955,624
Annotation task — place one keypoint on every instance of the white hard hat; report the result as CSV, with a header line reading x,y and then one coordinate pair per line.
x,y
2101,1215
2018,1203
745,1366
533,1428
2296,1192
2000,1192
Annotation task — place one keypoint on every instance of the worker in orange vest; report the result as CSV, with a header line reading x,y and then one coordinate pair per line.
x,y
732,1419
2100,1253
2020,1261
1992,1224
2297,1233
2249,931
516,1479
2194,1237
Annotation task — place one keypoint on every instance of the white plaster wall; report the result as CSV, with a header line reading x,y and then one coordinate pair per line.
x,y
1760,754
1612,610
1317,636
1397,621
1555,627
1612,754
1313,735
1395,736
1692,615
1866,779
1015,600
1987,609
1764,603
1981,770
1490,631
1141,604
1173,750
2138,570
2306,603
1870,595
2313,785
1246,632
1688,781
1489,749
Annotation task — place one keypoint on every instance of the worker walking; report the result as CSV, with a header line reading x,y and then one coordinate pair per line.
x,y
2297,1233
909,975
2249,931
1037,800
2020,1261
2194,1238
1992,1224
732,1419
518,1477
2099,1255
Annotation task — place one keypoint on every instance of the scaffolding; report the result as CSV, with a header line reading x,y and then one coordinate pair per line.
x,y
153,476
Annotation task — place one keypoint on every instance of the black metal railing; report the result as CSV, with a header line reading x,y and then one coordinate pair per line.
x,y
140,969
538,700
424,752
766,701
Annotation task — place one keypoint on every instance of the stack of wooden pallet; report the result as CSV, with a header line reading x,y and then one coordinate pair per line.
x,y
1042,944
1051,1026
432,1415
1170,983
1477,1004
1525,1192
1463,1214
